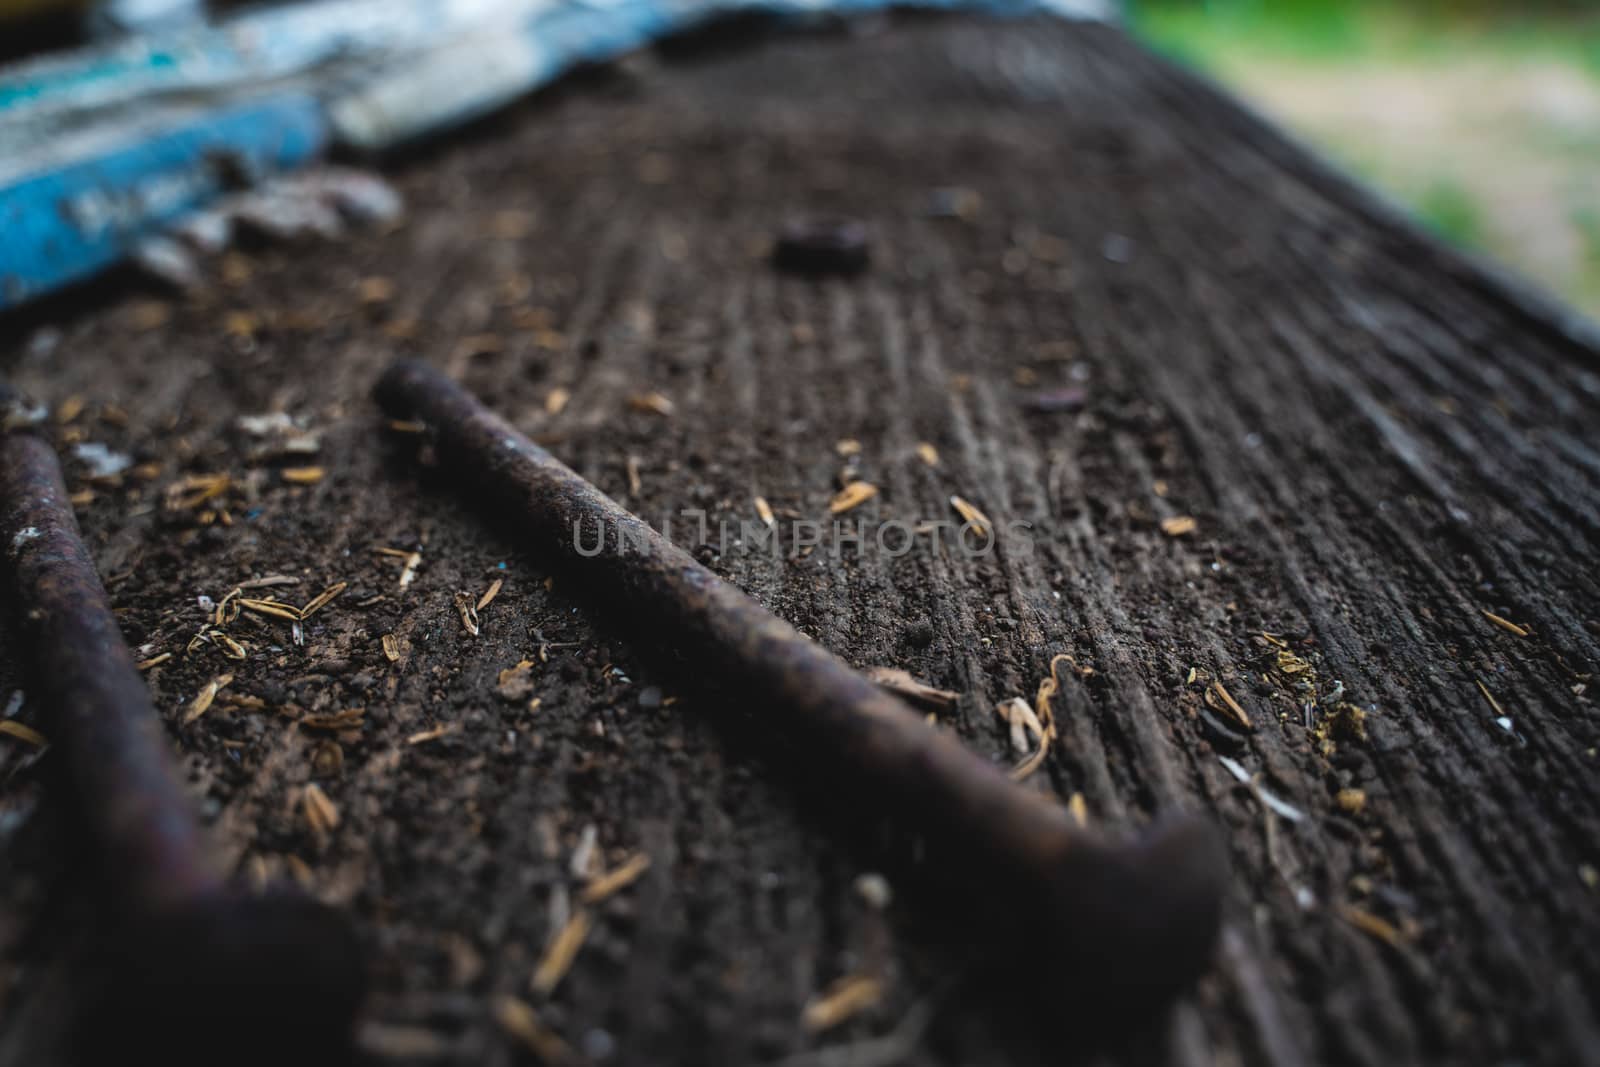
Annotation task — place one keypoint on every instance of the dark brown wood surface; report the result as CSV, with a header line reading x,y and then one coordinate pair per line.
x,y
1379,445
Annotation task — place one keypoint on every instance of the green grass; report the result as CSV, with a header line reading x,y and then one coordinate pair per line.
x,y
1586,222
1213,32
1258,43
1451,212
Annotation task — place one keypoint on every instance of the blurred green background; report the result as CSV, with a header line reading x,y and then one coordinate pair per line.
x,y
1481,116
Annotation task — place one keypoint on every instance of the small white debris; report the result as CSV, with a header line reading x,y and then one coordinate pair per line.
x,y
1283,808
24,535
1504,722
265,425
101,461
874,889
168,261
583,856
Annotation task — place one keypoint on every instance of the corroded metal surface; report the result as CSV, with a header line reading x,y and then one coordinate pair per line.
x,y
186,959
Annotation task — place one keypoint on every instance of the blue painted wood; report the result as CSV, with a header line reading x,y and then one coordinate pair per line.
x,y
370,74
81,214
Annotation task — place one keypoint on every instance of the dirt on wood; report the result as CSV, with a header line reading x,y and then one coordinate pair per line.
x,y
1310,504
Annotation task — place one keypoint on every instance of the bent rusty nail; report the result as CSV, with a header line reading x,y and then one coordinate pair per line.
x,y
185,950
1141,915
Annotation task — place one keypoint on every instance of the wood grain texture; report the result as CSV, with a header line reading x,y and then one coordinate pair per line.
x,y
1378,441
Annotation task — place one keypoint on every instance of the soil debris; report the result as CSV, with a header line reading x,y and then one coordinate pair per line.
x,y
516,684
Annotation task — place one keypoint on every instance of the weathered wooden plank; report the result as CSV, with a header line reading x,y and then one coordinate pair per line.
x,y
1377,443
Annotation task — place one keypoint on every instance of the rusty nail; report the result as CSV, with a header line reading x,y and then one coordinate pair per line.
x,y
821,245
188,956
1142,915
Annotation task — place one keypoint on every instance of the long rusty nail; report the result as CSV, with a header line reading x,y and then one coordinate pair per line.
x,y
188,957
1141,915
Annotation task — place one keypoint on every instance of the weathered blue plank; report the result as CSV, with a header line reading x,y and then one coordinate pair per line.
x,y
83,211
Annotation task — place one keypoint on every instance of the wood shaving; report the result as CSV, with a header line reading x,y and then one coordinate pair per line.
x,y
300,871
468,613
764,512
1043,717
651,403
1078,808
852,495
901,684
323,599
1353,801
634,482
562,951
302,475
350,718
1493,703
1179,525
848,447
969,512
431,735
375,290
1024,722
518,1020
555,401
271,607
268,582
407,426
1228,703
489,594
615,880
928,454
1369,923
841,1001
391,648
189,493
202,701
408,570
153,661
321,814
23,733
1506,624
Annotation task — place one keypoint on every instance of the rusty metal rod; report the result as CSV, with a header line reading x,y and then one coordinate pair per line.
x,y
1139,914
181,942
